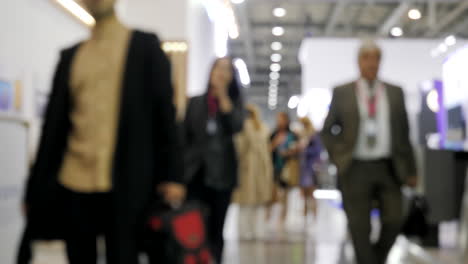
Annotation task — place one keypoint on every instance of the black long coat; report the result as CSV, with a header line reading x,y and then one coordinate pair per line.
x,y
147,146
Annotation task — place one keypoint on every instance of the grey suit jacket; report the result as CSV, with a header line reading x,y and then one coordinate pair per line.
x,y
344,118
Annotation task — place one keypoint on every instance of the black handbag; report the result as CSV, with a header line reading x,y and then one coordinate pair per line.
x,y
176,235
416,224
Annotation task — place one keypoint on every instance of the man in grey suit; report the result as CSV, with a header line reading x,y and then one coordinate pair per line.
x,y
367,136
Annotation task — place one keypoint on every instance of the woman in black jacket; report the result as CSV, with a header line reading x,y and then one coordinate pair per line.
x,y
210,157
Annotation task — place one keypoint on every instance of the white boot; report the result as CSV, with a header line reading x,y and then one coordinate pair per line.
x,y
245,223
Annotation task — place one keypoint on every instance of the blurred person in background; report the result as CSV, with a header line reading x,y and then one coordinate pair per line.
x,y
367,136
211,166
255,174
284,149
310,147
108,142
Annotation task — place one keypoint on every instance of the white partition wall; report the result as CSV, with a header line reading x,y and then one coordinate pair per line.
x,y
13,169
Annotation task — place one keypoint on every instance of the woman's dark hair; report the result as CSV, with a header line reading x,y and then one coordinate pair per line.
x,y
234,89
288,120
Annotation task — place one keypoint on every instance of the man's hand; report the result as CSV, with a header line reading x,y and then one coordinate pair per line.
x,y
412,181
173,193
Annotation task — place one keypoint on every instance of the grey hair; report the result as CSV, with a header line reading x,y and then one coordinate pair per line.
x,y
369,45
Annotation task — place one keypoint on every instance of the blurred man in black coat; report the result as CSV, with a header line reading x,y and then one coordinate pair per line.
x,y
108,143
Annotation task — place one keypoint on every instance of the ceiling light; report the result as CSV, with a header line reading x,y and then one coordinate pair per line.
x,y
78,11
272,107
274,75
276,57
273,88
442,48
274,83
243,72
278,31
294,101
276,46
414,14
275,67
396,32
279,12
432,101
450,40
237,1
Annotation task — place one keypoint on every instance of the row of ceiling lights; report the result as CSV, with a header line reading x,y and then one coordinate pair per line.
x,y
276,58
413,14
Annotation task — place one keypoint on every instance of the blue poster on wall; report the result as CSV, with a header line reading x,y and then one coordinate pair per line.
x,y
6,96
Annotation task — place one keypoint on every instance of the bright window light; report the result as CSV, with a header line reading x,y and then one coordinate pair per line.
x,y
279,12
278,31
414,14
327,195
450,40
237,2
396,32
276,46
274,75
77,11
275,67
276,57
294,101
243,72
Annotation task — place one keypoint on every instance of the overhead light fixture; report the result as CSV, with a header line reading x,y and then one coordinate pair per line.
x,y
274,75
275,67
432,101
414,14
276,57
274,82
273,88
276,46
237,2
279,12
173,46
396,32
450,40
78,11
294,101
243,72
442,48
278,31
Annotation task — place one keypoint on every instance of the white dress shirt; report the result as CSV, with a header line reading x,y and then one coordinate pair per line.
x,y
382,147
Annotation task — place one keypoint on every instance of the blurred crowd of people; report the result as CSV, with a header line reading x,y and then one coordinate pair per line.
x,y
270,165
111,146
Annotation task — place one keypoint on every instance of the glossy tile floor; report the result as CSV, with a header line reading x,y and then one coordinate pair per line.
x,y
320,241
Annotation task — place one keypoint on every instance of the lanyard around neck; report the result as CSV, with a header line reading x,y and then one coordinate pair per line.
x,y
372,98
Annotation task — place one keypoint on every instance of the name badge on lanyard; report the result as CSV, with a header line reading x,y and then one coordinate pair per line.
x,y
371,125
211,127
371,132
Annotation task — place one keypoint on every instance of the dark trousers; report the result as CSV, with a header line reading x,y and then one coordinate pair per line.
x,y
217,203
90,216
367,184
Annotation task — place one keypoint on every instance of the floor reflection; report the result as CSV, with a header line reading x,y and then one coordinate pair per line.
x,y
323,240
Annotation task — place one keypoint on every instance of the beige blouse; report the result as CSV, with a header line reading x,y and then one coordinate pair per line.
x,y
95,83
